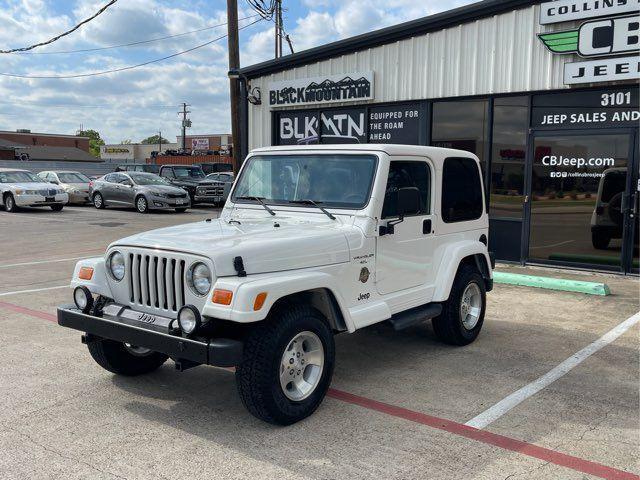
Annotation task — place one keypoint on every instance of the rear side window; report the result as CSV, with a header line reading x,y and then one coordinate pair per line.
x,y
461,190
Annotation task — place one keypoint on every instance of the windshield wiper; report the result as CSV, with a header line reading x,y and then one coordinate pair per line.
x,y
315,204
260,200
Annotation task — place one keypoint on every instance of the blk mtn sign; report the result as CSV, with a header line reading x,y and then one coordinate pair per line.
x,y
322,90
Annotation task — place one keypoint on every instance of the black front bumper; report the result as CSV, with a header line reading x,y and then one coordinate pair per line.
x,y
220,352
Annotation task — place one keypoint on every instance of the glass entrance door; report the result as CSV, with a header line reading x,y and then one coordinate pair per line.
x,y
578,198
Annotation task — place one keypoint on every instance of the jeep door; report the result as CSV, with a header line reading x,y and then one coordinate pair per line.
x,y
404,258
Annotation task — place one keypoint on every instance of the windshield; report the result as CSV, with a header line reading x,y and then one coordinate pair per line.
x,y
148,179
339,181
73,178
19,177
186,172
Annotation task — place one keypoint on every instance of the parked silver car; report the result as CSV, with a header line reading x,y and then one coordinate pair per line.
x,y
144,191
76,184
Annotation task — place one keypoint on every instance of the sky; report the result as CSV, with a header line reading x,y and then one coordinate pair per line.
x,y
137,103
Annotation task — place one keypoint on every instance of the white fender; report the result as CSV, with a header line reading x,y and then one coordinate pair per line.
x,y
276,286
450,261
98,285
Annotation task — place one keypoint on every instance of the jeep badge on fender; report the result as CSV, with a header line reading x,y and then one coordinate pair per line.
x,y
266,286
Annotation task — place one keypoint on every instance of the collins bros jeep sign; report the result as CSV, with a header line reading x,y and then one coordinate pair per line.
x,y
596,38
321,90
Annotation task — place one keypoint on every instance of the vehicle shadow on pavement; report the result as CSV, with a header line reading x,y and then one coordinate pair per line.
x,y
409,368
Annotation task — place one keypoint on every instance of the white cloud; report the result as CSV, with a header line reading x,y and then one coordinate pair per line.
x,y
128,104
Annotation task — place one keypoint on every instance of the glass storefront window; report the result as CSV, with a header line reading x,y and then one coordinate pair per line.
x,y
461,125
578,185
510,127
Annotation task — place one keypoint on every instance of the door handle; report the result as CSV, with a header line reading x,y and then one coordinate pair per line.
x,y
426,226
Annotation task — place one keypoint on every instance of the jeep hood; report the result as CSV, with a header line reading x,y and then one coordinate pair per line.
x,y
264,247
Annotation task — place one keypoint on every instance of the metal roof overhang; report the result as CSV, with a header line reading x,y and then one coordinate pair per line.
x,y
439,21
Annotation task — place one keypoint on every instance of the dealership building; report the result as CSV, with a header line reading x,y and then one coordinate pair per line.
x,y
544,93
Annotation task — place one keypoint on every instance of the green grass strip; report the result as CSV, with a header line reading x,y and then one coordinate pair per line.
x,y
560,284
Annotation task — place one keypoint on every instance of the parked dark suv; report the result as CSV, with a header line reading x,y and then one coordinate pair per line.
x,y
193,180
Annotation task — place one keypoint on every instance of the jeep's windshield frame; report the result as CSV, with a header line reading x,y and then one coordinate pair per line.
x,y
334,180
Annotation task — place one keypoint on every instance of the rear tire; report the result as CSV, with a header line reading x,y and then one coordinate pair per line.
x,y
98,201
10,204
181,210
120,359
463,313
268,390
600,240
57,208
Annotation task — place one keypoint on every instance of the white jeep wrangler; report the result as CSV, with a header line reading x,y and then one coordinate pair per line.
x,y
313,241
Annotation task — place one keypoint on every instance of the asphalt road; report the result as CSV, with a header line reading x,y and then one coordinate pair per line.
x,y
397,408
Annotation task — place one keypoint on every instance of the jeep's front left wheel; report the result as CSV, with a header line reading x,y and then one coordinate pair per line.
x,y
125,359
287,365
463,313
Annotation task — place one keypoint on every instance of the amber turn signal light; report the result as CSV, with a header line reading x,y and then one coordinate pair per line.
x,y
260,298
223,297
85,273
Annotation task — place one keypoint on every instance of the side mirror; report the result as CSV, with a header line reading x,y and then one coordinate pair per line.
x,y
408,201
55,182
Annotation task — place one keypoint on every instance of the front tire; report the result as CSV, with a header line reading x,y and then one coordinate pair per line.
x,y
142,205
122,359
463,313
10,204
287,365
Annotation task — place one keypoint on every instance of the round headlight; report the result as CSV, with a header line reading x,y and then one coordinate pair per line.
x,y
115,264
189,319
199,278
83,299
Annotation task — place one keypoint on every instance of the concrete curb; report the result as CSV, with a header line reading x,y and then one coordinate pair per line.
x,y
561,284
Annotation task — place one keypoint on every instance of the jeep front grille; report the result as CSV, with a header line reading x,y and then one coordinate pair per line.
x,y
156,281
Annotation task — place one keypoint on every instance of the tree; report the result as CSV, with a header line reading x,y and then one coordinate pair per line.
x,y
154,140
94,141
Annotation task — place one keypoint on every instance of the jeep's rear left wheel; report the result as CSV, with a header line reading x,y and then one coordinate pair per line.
x,y
287,365
463,313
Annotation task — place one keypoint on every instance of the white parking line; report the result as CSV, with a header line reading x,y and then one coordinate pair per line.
x,y
499,409
39,262
18,292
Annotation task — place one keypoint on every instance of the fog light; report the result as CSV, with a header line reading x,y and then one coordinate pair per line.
x,y
189,319
83,299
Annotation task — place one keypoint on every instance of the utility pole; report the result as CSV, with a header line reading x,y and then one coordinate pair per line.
x,y
185,123
234,82
159,142
278,21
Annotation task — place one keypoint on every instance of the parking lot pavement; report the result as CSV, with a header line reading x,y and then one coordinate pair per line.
x,y
397,409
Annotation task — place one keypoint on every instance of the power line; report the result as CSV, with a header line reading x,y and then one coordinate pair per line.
x,y
122,69
132,44
24,49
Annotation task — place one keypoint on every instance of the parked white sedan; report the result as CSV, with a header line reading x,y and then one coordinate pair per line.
x,y
21,188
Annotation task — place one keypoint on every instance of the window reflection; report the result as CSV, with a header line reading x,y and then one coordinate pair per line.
x,y
510,126
461,125
577,187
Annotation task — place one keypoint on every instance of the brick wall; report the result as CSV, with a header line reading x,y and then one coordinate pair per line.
x,y
46,140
